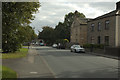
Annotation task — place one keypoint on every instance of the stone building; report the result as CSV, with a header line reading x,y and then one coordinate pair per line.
x,y
105,29
79,31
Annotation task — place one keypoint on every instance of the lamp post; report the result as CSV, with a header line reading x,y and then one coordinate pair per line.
x,y
28,44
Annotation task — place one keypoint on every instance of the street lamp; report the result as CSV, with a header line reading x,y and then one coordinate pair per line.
x,y
28,44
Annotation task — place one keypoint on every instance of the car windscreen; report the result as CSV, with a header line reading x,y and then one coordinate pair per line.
x,y
77,46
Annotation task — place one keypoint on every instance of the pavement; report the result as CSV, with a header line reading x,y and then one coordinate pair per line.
x,y
32,66
48,62
104,55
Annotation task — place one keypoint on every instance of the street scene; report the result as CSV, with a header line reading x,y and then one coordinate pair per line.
x,y
60,39
48,62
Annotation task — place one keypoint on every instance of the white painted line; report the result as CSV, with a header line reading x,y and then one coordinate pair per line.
x,y
33,72
45,62
53,73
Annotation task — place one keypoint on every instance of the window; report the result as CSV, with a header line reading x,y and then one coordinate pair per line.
x,y
99,41
92,27
106,40
99,26
107,25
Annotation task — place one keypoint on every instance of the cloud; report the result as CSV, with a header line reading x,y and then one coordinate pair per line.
x,y
78,0
50,13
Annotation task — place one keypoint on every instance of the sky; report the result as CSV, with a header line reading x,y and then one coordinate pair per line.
x,y
53,11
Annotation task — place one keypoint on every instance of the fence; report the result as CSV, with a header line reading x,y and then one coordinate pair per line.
x,y
114,51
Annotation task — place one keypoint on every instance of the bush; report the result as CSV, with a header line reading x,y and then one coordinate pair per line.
x,y
62,41
87,45
101,46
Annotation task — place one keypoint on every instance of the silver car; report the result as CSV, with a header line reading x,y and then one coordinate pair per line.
x,y
54,45
77,48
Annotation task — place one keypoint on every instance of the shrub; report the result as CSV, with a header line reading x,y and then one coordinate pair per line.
x,y
87,45
101,46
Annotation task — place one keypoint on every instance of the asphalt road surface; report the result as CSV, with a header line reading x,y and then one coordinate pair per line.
x,y
60,63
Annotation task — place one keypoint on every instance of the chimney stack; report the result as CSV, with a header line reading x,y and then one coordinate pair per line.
x,y
118,5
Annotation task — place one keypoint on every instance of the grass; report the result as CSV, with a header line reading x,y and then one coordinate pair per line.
x,y
8,73
18,54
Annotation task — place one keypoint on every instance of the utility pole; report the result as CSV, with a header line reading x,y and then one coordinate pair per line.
x,y
28,44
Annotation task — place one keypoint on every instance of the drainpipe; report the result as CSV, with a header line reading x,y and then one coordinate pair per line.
x,y
116,30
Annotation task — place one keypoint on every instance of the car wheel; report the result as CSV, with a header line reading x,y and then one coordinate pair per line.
x,y
75,51
71,50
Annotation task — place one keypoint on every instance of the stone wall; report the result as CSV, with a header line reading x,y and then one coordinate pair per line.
x,y
112,51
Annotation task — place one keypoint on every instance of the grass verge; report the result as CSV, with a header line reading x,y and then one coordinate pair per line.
x,y
8,73
18,54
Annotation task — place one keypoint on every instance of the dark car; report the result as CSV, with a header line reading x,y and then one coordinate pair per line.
x,y
61,46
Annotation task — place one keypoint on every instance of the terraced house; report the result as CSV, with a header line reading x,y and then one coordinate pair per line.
x,y
105,29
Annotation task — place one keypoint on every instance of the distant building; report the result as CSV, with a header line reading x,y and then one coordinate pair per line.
x,y
105,29
79,31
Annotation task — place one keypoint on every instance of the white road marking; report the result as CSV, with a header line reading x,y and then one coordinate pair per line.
x,y
33,72
45,62
54,75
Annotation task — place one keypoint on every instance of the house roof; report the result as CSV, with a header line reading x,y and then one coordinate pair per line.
x,y
112,13
83,21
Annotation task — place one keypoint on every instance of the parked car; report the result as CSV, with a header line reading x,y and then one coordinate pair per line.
x,y
33,43
60,46
77,48
54,45
41,44
37,44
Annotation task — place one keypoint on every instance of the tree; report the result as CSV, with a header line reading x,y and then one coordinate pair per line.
x,y
63,29
69,18
15,17
47,35
26,33
60,31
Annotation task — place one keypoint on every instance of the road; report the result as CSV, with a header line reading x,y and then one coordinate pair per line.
x,y
60,63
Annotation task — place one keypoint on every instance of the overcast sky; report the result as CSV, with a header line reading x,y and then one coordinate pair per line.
x,y
52,12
